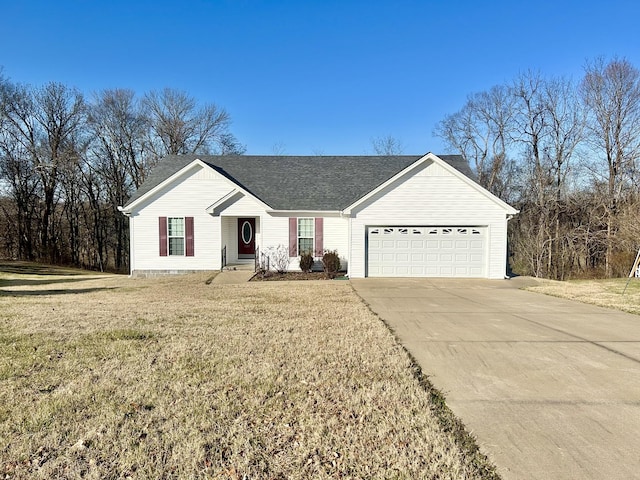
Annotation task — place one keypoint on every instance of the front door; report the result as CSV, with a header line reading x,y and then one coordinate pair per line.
x,y
246,237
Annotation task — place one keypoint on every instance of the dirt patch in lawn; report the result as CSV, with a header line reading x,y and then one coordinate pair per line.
x,y
174,378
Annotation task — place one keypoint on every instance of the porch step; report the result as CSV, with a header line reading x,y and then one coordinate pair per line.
x,y
239,267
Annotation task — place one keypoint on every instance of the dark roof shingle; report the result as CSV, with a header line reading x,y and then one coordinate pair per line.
x,y
299,183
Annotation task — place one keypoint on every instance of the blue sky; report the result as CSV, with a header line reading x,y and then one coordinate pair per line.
x,y
313,77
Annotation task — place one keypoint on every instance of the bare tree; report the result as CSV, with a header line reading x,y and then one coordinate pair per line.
x,y
387,145
279,148
119,159
611,93
41,126
564,128
480,133
65,166
180,126
228,144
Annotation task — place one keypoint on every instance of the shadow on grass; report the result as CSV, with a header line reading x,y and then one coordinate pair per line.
x,y
32,268
26,282
37,293
33,274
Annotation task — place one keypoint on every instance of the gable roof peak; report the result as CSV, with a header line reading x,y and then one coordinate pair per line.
x,y
294,182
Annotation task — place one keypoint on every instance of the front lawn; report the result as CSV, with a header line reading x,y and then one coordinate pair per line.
x,y
109,377
605,293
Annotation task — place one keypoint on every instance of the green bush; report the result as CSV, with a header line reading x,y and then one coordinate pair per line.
x,y
306,261
331,263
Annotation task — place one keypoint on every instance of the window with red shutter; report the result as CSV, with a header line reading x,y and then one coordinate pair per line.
x,y
293,237
319,236
189,243
162,221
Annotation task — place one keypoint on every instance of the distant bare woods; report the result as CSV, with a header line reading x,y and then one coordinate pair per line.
x,y
67,163
566,154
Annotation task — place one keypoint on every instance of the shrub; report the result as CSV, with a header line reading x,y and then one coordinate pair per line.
x,y
279,258
331,263
306,261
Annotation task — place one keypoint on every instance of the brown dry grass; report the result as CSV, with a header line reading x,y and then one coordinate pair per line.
x,y
605,293
109,377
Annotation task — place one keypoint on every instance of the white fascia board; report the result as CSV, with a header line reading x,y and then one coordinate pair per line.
x,y
304,213
131,207
229,197
197,162
434,158
509,210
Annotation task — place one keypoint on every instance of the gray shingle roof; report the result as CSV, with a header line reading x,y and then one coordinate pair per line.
x,y
299,183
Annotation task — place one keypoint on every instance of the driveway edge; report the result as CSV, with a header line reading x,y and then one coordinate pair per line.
x,y
450,424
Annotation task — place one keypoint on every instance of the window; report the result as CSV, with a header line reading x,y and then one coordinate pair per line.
x,y
175,235
305,235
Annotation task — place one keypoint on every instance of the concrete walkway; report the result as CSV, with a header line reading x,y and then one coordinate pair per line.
x,y
231,277
550,387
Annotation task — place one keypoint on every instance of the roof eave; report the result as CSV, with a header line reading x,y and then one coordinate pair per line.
x,y
433,157
130,207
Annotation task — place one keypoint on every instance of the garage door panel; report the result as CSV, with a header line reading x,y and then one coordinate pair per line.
x,y
427,251
446,271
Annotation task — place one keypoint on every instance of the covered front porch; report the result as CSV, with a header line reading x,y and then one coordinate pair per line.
x,y
241,237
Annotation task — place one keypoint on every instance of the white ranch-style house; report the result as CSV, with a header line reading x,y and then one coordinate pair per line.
x,y
386,216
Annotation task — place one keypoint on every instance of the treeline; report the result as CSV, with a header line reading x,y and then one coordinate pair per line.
x,y
565,153
67,163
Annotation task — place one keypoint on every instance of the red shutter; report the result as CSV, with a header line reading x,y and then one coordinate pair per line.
x,y
163,236
293,237
188,226
319,246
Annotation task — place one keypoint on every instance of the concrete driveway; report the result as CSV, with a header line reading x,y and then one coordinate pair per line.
x,y
550,387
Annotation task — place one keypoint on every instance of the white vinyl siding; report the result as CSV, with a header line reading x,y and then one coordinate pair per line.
x,y
275,231
336,237
188,196
431,196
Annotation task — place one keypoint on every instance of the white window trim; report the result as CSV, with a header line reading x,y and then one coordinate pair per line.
x,y
183,237
312,237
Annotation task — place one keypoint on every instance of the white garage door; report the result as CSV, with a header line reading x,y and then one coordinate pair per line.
x,y
426,251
